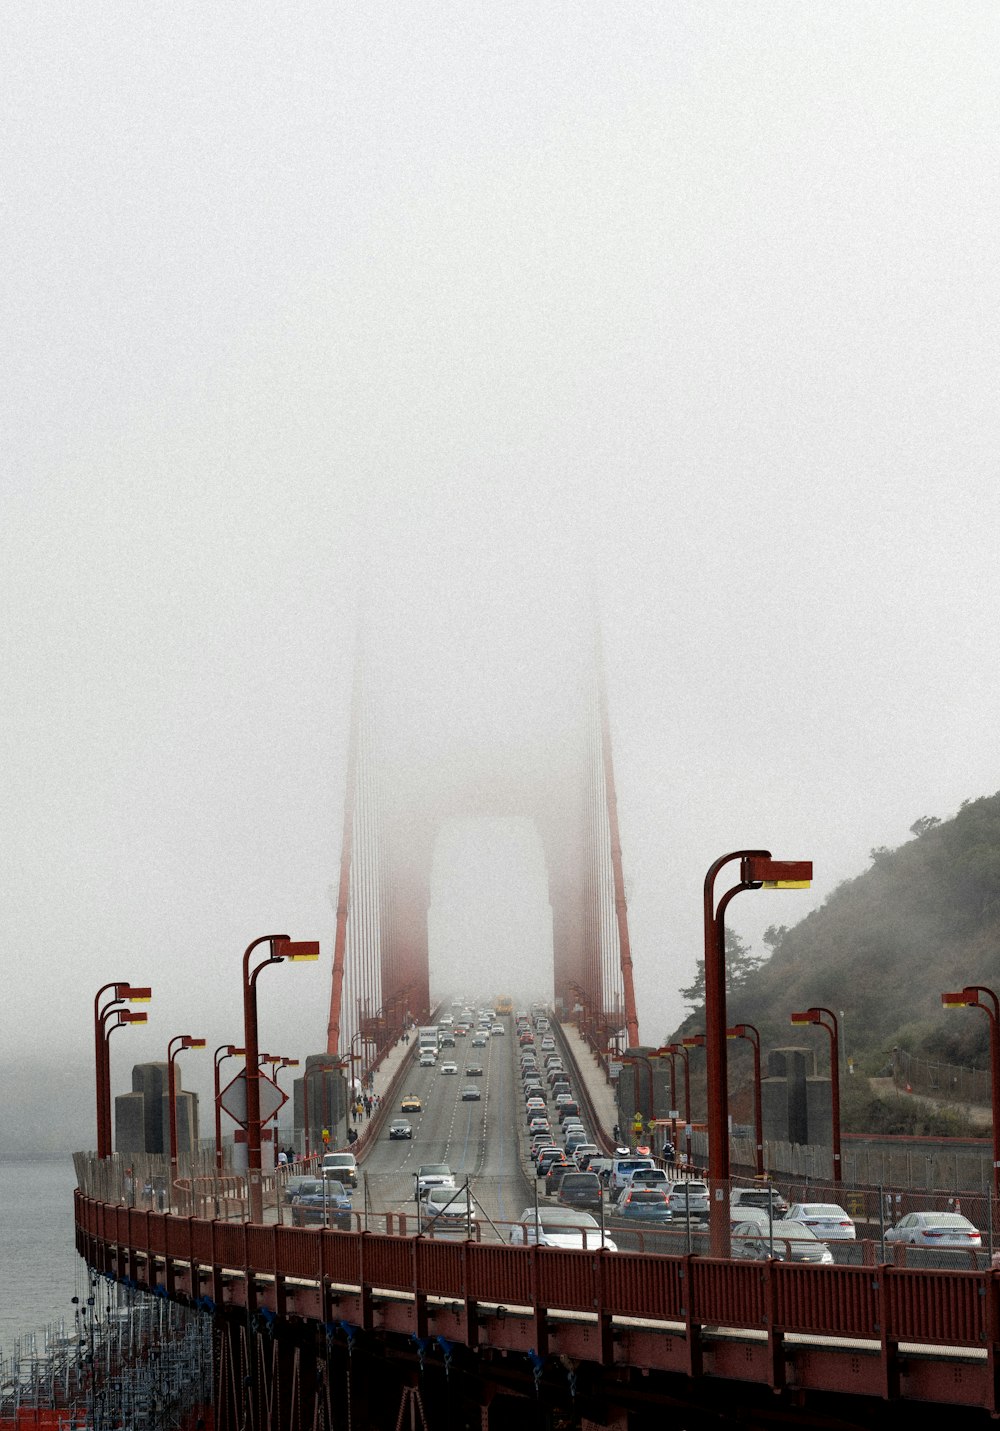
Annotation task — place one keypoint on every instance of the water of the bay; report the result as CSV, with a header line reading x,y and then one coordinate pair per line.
x,y
40,1271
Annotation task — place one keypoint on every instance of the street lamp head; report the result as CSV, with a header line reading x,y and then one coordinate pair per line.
x,y
806,1016
694,1041
777,874
297,951
737,1031
127,1016
132,994
965,999
289,1063
189,1042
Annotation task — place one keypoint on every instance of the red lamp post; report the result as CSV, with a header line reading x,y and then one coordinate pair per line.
x,y
224,1051
815,1016
757,870
182,1041
679,1049
978,996
633,1060
279,1064
281,948
752,1037
666,1052
124,1017
123,993
359,1058
692,1041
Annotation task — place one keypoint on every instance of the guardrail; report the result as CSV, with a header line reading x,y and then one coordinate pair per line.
x,y
877,1307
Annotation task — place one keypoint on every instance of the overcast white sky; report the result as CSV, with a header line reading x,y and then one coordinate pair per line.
x,y
694,301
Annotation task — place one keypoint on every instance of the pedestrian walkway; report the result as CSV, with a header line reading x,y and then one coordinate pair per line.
x,y
599,1089
382,1079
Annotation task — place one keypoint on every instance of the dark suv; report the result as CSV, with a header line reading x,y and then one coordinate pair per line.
x,y
580,1190
759,1197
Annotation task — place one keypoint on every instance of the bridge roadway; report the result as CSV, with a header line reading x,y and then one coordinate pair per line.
x,y
482,1141
652,1330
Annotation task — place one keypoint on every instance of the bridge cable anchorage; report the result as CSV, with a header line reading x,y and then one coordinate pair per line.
x,y
570,1366
421,1343
448,1348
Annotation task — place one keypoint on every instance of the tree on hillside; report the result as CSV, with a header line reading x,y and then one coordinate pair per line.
x,y
742,963
925,823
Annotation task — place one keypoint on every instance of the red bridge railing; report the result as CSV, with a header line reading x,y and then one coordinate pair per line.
x,y
878,1306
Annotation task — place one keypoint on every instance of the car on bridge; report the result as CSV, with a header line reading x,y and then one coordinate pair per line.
x,y
759,1197
474,1070
293,1184
557,1170
688,1198
448,1068
785,1241
447,1210
541,1143
546,1158
324,1202
400,1128
826,1219
471,1095
478,1041
433,1175
410,1103
428,1059
622,1169
559,1227
580,1190
643,1205
935,1229
648,1178
341,1166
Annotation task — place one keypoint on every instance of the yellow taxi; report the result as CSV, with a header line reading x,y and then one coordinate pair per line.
x,y
411,1103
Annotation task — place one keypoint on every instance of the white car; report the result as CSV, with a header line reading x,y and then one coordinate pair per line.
x,y
448,1068
828,1220
434,1175
447,1209
559,1227
935,1229
427,1059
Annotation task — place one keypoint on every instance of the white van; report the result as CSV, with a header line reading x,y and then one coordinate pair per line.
x,y
623,1168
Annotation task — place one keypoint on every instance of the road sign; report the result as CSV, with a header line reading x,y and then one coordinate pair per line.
x,y
233,1098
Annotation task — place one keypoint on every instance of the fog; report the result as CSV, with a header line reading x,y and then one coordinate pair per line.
x,y
476,320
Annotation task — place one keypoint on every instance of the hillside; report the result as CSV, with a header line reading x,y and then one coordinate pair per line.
x,y
924,918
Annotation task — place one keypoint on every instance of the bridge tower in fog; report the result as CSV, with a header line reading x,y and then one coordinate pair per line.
x,y
512,738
